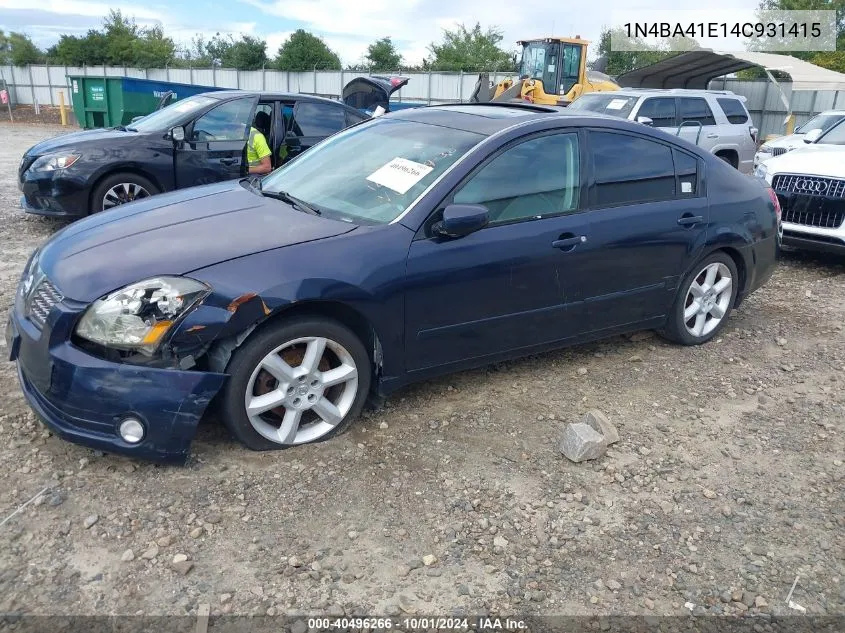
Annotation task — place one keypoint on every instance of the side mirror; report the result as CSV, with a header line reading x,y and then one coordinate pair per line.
x,y
645,120
812,136
462,219
177,134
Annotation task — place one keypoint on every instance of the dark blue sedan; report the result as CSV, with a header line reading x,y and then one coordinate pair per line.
x,y
426,241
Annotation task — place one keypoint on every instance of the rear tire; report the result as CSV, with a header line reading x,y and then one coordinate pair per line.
x,y
120,188
704,301
299,381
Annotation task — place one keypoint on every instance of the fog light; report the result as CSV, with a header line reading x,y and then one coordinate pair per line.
x,y
131,430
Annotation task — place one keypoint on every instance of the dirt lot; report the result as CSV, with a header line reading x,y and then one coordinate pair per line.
x,y
727,483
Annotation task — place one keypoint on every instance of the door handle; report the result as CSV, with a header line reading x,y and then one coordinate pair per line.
x,y
230,161
568,243
690,220
712,135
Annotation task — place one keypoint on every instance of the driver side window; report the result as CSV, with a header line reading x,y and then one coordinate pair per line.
x,y
534,179
227,122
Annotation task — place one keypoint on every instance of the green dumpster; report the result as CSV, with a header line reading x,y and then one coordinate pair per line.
x,y
113,101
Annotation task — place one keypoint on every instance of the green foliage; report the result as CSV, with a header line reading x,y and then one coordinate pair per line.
x,y
246,53
18,50
832,60
121,42
382,55
619,62
469,50
305,51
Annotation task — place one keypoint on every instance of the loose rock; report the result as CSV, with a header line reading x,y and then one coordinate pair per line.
x,y
599,422
581,442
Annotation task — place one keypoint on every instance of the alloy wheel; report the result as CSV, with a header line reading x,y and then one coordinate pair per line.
x,y
123,192
301,390
708,299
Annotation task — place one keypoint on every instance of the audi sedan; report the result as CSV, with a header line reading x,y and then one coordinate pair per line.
x,y
426,241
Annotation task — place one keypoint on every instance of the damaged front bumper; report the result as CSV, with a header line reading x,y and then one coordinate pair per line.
x,y
83,398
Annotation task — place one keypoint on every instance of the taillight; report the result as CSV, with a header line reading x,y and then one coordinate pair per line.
x,y
775,202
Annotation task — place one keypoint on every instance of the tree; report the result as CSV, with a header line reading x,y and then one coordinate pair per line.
x,y
622,61
471,51
18,50
305,51
248,53
833,60
153,50
77,51
382,55
121,38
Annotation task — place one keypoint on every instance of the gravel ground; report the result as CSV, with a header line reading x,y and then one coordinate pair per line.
x,y
727,483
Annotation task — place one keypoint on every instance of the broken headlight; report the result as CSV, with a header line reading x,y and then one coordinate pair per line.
x,y
138,316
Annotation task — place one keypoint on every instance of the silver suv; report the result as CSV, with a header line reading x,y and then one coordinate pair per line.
x,y
715,120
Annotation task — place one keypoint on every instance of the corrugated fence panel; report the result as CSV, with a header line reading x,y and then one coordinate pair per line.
x,y
251,80
227,78
178,75
276,81
328,83
203,77
762,99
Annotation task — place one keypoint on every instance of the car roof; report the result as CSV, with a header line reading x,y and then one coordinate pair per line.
x,y
488,118
264,94
644,92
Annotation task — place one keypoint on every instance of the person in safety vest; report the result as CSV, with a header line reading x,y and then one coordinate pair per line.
x,y
258,152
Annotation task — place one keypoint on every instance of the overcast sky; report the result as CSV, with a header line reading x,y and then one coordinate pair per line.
x,y
347,26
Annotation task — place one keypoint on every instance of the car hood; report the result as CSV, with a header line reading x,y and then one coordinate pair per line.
x,y
813,160
174,234
791,141
74,139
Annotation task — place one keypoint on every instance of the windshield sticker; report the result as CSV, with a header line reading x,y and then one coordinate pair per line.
x,y
617,104
400,174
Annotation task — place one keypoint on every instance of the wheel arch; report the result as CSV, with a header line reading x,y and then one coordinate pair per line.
x,y
121,169
731,154
739,262
329,309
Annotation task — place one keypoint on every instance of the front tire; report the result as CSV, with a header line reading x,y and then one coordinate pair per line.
x,y
120,188
704,301
299,381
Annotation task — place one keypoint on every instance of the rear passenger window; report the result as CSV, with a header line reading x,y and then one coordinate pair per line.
x,y
631,169
734,110
696,109
686,168
660,110
318,119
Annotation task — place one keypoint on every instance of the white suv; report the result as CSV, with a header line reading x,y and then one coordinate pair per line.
x,y
781,145
715,120
810,185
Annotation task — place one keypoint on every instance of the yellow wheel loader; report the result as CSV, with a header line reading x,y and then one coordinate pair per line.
x,y
553,71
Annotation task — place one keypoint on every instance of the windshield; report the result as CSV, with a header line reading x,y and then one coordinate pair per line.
x,y
539,61
835,136
614,105
371,173
164,119
821,122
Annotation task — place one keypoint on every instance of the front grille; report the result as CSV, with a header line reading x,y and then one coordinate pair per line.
x,y
42,301
818,216
827,239
809,185
777,151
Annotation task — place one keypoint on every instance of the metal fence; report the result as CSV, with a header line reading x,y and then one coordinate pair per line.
x,y
42,83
